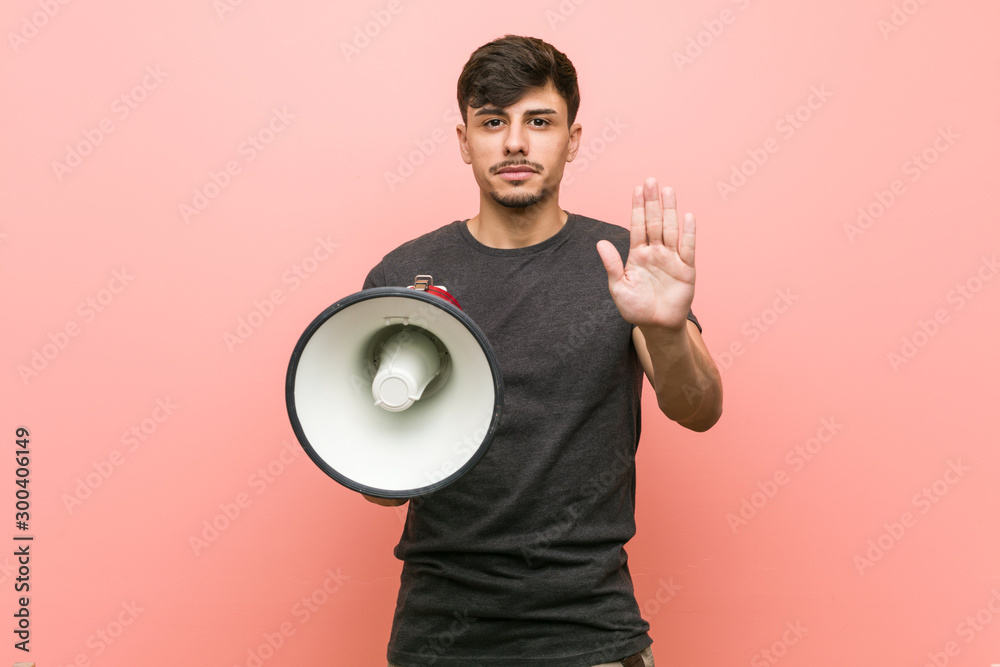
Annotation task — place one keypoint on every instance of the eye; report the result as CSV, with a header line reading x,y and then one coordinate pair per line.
x,y
541,122
492,120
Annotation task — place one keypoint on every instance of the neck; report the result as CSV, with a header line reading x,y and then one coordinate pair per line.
x,y
497,226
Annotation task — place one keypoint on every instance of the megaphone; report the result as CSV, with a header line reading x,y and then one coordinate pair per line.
x,y
394,392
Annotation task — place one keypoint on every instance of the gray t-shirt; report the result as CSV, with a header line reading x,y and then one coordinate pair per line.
x,y
521,561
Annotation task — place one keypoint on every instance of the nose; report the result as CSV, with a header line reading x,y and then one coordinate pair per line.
x,y
516,140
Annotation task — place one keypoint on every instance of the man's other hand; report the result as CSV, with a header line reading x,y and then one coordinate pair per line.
x,y
655,288
385,502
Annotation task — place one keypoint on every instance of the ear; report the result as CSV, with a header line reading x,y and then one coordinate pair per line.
x,y
575,132
463,143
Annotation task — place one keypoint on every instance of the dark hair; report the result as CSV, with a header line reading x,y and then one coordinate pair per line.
x,y
499,73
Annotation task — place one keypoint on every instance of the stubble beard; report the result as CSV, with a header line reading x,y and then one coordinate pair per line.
x,y
520,199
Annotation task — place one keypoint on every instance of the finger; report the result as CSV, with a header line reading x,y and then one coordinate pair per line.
x,y
654,214
637,228
612,261
685,249
385,502
669,218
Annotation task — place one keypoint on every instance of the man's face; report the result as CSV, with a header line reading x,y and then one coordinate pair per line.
x,y
518,153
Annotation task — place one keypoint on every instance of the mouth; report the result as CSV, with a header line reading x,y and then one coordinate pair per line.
x,y
518,173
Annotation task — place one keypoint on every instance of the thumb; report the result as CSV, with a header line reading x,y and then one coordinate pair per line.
x,y
612,260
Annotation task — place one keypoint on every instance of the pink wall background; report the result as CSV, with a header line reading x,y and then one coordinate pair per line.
x,y
843,511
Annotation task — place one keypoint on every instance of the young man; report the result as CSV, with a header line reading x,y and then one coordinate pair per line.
x,y
521,561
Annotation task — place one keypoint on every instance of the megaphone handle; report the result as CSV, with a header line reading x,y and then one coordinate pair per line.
x,y
425,283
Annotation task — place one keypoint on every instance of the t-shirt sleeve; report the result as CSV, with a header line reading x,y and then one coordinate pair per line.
x,y
376,277
695,320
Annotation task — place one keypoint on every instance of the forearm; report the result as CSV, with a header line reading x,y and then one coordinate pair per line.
x,y
686,381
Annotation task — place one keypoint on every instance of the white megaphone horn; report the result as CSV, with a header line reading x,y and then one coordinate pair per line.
x,y
394,392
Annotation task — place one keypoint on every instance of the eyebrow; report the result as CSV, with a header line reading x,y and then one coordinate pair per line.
x,y
494,111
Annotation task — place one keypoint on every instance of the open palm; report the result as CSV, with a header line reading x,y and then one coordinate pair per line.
x,y
655,288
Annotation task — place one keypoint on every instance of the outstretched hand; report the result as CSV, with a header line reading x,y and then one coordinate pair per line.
x,y
655,288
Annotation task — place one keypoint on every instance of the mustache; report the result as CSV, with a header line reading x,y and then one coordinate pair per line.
x,y
518,163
